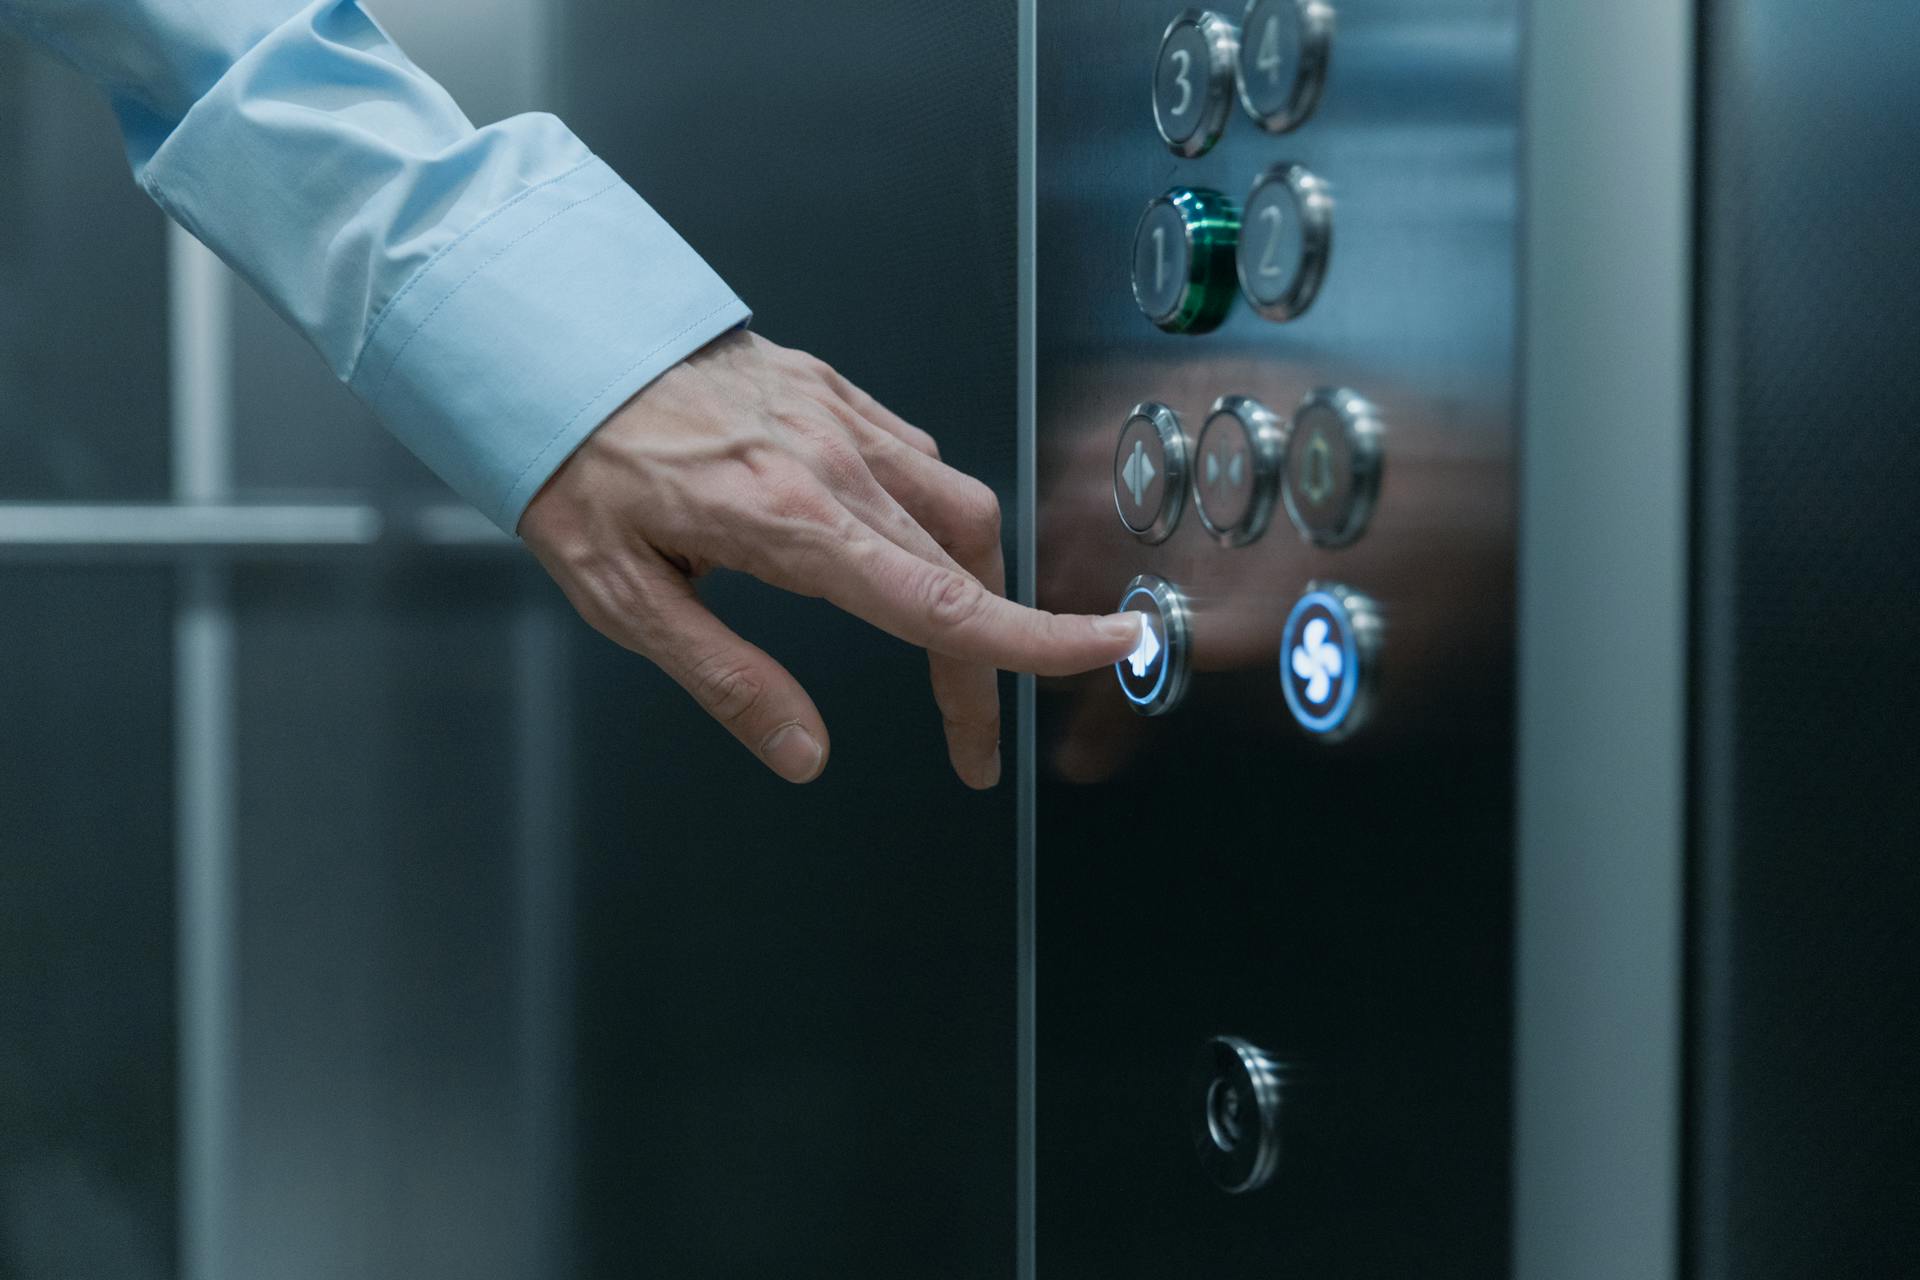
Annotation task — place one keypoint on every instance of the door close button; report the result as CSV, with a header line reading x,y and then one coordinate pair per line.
x,y
1237,471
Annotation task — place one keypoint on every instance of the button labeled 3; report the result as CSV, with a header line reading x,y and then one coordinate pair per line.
x,y
1329,652
1193,80
1154,676
1150,472
1183,253
1238,471
1287,241
1282,63
1332,474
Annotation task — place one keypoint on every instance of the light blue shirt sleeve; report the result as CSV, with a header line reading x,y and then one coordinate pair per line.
x,y
492,294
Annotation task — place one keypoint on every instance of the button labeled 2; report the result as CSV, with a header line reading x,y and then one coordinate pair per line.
x,y
1193,80
1183,255
1287,241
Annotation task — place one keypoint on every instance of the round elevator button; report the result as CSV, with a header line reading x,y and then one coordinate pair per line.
x,y
1286,241
1236,1094
1183,250
1193,80
1282,62
1154,676
1150,472
1237,469
1333,464
1329,652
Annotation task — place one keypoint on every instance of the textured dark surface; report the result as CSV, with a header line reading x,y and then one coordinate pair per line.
x,y
87,1138
1806,998
796,1009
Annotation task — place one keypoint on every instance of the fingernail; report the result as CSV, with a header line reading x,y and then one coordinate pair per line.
x,y
793,753
1121,626
991,776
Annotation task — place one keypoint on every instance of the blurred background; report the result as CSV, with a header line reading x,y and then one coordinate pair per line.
x,y
363,913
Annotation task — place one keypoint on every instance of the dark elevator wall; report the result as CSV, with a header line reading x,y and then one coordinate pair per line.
x,y
796,1005
1806,955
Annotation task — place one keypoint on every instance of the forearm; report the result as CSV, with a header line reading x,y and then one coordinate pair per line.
x,y
493,294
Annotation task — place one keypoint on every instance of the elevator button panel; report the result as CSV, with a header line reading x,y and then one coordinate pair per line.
x,y
1286,241
1329,660
1194,80
1150,472
1154,675
1332,473
1237,469
1281,68
1183,255
1236,1097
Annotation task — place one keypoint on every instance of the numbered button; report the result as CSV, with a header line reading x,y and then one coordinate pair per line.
x,y
1193,80
1329,655
1282,63
1150,472
1237,469
1286,241
1333,464
1154,676
1183,254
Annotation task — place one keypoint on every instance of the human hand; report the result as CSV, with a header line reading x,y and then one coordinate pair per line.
x,y
753,457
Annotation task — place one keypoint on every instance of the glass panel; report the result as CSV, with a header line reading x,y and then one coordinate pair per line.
x,y
87,1142
83,305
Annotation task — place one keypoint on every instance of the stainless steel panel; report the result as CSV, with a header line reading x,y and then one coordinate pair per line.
x,y
1214,871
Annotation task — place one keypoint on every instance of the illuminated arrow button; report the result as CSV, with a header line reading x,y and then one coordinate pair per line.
x,y
1154,676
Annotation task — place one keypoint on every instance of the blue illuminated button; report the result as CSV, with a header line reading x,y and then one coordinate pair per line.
x,y
1329,653
1154,676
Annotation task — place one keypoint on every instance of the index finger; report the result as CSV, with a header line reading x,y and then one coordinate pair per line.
x,y
946,610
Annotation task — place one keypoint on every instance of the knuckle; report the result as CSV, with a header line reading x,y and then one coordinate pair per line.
x,y
980,511
729,689
925,443
953,599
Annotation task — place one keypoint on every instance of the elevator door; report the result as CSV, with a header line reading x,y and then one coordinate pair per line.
x,y
1275,349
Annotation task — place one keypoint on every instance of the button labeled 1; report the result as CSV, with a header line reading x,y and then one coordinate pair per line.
x,y
1183,252
1287,241
1282,66
1193,80
1329,652
1238,471
1154,676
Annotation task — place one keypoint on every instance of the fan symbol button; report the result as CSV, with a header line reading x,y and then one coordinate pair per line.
x,y
1317,662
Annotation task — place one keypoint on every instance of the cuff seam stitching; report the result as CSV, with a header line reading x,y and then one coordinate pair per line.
x,y
566,426
427,269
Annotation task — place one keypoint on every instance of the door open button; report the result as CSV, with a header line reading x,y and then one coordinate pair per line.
x,y
1150,472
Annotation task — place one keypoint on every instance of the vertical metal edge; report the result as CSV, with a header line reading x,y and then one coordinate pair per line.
x,y
1607,331
200,327
1027,575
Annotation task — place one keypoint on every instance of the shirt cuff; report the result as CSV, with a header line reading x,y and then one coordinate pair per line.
x,y
509,347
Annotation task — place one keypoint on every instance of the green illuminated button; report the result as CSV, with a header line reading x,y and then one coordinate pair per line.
x,y
1183,251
